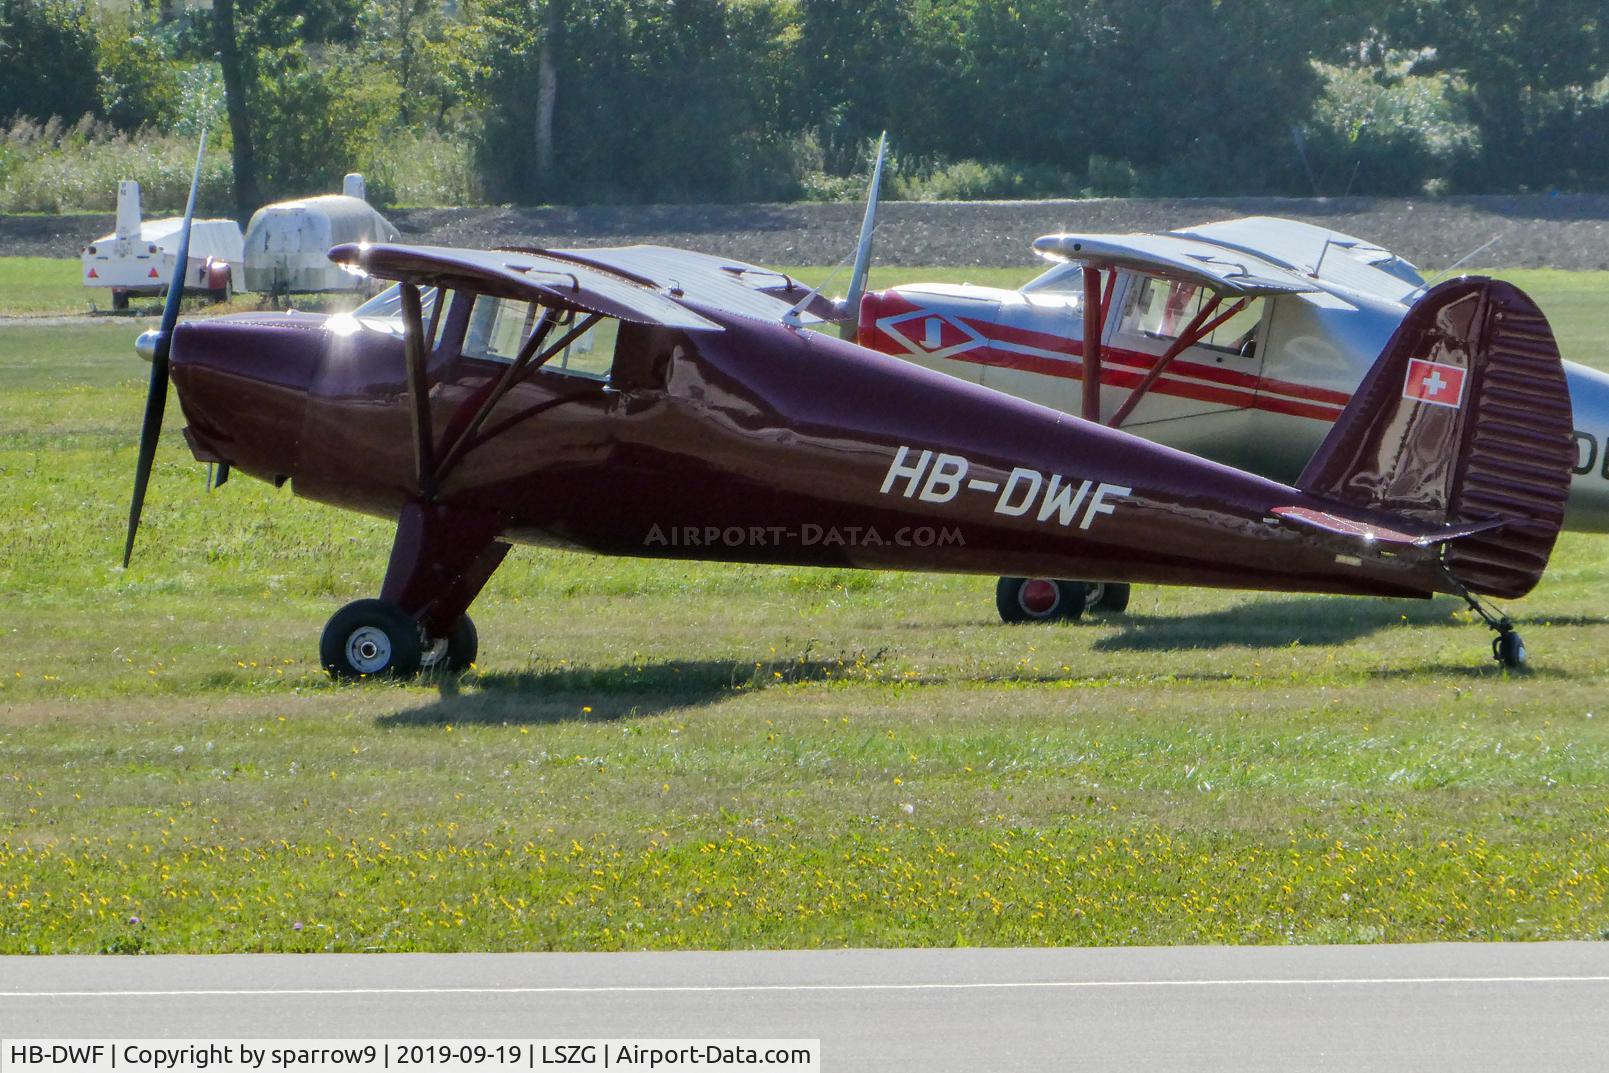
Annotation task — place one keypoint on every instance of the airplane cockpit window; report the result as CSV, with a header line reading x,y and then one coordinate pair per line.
x,y
1064,279
1165,309
499,327
591,354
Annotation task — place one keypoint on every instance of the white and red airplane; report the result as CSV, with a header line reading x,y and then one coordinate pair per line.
x,y
1241,341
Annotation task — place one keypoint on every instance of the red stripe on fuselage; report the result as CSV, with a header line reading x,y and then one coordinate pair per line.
x,y
1259,392
1165,385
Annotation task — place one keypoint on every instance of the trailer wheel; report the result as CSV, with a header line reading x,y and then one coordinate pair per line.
x,y
119,299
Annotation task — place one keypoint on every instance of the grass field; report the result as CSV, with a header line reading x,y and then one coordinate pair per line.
x,y
37,286
658,755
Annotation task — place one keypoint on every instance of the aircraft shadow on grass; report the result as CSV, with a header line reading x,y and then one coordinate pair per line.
x,y
628,690
603,694
1274,624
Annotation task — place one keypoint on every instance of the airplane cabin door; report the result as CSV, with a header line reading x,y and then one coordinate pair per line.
x,y
1208,390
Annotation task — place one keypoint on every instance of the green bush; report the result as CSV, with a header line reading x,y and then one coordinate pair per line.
x,y
1385,131
138,82
320,116
52,167
423,168
47,59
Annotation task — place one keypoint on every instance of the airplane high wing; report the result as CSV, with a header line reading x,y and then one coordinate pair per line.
x,y
1331,257
642,284
533,276
1238,273
729,284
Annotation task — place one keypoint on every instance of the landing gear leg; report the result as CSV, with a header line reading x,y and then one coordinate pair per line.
x,y
440,561
1508,648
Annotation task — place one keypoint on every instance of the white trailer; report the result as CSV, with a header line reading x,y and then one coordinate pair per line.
x,y
287,242
138,257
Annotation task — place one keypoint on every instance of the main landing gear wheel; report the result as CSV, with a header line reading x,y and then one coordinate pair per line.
x,y
1037,599
455,652
1106,597
371,639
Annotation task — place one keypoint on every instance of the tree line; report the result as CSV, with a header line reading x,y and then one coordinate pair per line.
x,y
678,100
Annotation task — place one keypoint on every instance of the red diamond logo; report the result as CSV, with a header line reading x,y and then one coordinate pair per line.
x,y
930,333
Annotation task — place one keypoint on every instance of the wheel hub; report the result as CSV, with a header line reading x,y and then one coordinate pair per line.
x,y
435,652
368,649
1038,596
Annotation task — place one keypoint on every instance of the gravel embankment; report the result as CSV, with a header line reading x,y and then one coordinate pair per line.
x,y
1534,231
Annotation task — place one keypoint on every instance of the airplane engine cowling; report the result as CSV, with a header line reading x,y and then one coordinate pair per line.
x,y
873,305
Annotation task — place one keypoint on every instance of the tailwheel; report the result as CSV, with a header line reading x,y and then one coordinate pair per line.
x,y
1508,648
1037,599
371,639
1106,597
455,652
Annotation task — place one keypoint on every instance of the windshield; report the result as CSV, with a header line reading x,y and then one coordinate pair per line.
x,y
384,310
1063,279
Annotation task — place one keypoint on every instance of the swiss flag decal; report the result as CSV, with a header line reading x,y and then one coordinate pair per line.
x,y
1434,382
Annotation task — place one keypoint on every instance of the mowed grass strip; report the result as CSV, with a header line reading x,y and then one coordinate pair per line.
x,y
659,755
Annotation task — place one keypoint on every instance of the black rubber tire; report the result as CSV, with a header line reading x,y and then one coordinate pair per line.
x,y
1108,598
1509,650
1068,605
370,639
463,645
119,300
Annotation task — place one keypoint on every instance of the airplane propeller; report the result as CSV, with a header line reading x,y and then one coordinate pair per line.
x,y
156,393
863,250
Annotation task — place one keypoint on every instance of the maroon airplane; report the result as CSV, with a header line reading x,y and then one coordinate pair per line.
x,y
655,402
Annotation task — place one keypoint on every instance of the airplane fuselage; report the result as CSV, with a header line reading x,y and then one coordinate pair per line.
x,y
758,443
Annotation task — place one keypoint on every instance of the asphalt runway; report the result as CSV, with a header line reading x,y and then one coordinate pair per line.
x,y
1531,1006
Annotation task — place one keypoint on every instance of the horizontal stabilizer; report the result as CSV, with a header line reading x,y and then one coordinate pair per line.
x,y
1375,533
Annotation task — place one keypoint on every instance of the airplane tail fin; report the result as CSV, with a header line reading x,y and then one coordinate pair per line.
x,y
1462,427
